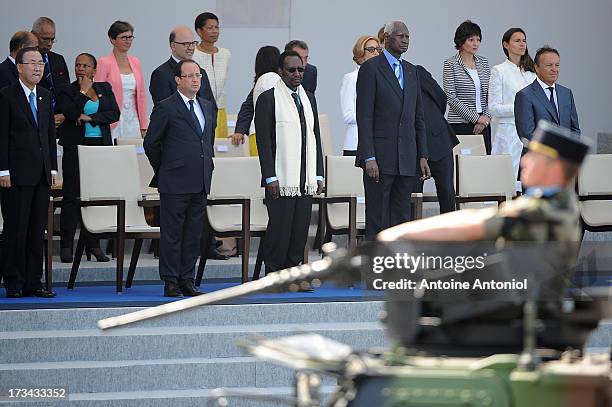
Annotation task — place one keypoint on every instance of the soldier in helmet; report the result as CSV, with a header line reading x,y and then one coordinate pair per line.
x,y
548,211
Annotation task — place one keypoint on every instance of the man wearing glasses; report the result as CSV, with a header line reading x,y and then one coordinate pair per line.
x,y
162,85
56,71
179,146
289,145
28,164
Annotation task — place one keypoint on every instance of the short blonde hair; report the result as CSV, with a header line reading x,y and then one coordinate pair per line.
x,y
359,48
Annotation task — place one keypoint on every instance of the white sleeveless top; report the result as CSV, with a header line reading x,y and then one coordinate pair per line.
x,y
129,126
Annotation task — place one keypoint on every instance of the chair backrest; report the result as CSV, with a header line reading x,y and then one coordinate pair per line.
x,y
236,177
231,123
224,148
485,175
327,143
343,179
60,171
470,144
594,179
144,166
110,172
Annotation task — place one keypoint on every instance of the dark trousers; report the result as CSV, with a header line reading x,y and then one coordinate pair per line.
x,y
468,128
442,173
71,213
181,223
287,231
387,201
24,231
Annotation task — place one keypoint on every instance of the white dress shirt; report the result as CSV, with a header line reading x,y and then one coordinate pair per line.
x,y
196,106
547,92
348,101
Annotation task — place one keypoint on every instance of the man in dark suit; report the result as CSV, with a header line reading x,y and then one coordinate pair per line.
x,y
56,70
179,145
162,85
545,99
309,80
28,162
392,147
440,139
8,70
291,163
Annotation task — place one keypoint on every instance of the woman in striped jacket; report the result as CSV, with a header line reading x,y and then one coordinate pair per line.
x,y
466,83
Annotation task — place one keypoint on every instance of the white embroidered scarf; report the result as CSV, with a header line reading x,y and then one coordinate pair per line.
x,y
289,142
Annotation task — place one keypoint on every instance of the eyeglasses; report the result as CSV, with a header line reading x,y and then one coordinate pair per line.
x,y
84,66
39,64
51,40
372,49
292,70
187,44
126,38
192,75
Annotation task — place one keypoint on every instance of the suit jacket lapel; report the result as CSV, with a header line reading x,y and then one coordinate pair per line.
x,y
182,109
41,107
22,101
388,73
562,102
207,118
541,95
409,79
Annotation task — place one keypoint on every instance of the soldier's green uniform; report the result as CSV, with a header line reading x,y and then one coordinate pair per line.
x,y
539,215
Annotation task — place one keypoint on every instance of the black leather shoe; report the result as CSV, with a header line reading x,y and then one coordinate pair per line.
x,y
13,293
41,292
189,289
66,255
215,255
172,290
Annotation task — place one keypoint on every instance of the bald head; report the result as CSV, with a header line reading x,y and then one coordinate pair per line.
x,y
182,42
22,39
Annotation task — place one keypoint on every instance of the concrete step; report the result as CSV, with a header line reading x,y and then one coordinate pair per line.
x,y
146,375
260,397
216,315
168,342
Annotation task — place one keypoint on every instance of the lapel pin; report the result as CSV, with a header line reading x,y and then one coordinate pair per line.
x,y
99,95
40,98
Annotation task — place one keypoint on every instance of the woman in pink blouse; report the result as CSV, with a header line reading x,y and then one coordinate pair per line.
x,y
124,73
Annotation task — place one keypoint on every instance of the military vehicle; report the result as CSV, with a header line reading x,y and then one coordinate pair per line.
x,y
521,351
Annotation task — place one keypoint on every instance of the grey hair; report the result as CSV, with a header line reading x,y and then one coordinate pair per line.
x,y
39,22
391,26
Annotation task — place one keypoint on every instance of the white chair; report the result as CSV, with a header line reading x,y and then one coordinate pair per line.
x,y
144,166
224,148
110,196
235,206
595,192
345,199
484,179
470,144
327,143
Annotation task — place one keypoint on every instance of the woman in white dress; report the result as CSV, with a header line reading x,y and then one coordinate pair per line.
x,y
124,73
365,48
214,60
507,78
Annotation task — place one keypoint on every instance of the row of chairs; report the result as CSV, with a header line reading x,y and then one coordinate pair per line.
x,y
112,204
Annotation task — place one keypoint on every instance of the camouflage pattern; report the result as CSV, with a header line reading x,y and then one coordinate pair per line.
x,y
537,218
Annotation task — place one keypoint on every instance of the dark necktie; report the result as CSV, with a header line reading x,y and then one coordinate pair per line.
x,y
49,79
552,100
298,103
195,118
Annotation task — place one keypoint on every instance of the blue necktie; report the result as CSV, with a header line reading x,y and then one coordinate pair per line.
x,y
194,117
398,73
552,100
298,102
32,99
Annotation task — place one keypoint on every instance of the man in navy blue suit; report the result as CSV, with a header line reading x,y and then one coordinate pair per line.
x,y
392,147
179,145
545,99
